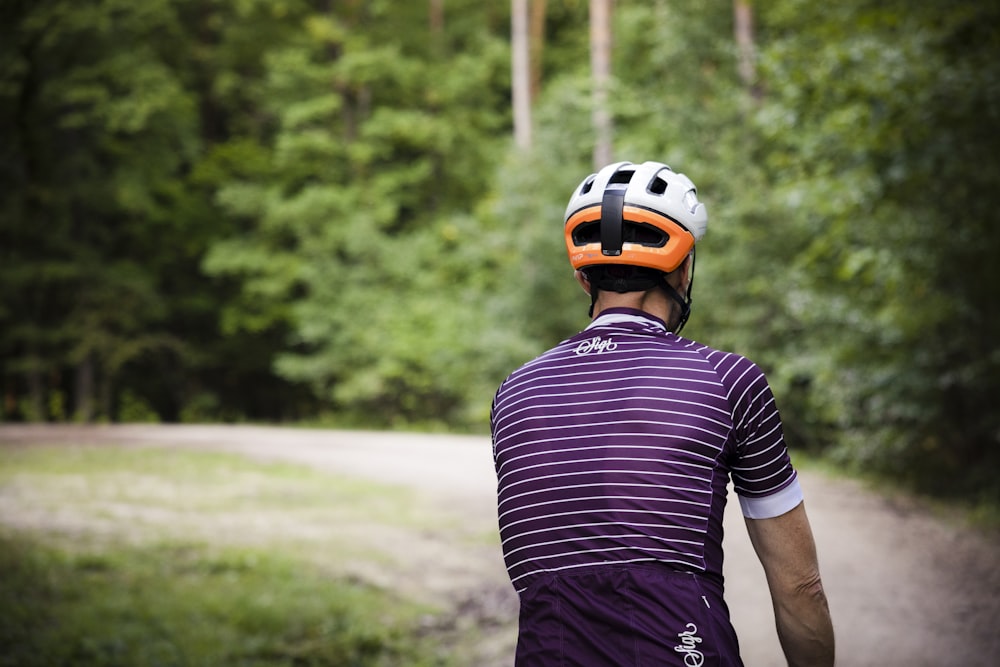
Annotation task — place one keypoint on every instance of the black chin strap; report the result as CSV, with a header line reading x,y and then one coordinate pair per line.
x,y
685,304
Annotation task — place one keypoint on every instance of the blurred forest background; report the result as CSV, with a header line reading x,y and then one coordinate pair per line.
x,y
349,213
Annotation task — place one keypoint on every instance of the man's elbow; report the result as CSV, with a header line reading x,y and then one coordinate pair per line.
x,y
804,624
803,587
810,587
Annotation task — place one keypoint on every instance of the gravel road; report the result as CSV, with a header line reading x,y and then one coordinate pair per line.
x,y
907,588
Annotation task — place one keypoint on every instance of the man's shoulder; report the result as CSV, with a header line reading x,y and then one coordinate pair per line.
x,y
715,354
550,354
729,365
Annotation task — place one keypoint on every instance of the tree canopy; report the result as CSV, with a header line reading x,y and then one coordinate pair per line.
x,y
305,210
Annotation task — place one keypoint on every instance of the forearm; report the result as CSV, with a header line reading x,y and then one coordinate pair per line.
x,y
788,553
805,628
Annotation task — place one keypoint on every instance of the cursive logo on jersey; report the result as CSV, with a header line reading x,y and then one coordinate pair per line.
x,y
689,646
596,344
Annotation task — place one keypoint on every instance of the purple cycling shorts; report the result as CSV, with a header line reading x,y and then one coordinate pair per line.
x,y
625,616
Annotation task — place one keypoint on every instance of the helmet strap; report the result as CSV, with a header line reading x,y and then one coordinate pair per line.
x,y
634,279
621,279
685,301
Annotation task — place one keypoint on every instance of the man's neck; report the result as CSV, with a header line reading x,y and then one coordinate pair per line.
x,y
654,301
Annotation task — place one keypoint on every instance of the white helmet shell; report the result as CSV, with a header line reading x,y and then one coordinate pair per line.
x,y
650,185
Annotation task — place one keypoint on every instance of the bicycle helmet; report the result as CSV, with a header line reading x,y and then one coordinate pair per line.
x,y
645,216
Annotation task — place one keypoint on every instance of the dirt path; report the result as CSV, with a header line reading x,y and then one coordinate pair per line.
x,y
906,588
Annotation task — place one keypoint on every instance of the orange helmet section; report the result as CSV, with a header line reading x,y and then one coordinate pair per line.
x,y
665,258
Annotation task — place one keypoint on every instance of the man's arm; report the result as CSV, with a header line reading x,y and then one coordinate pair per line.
x,y
785,547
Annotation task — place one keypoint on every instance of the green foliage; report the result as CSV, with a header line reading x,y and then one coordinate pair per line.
x,y
101,234
852,216
886,148
377,153
248,209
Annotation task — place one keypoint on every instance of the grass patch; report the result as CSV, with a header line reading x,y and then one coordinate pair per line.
x,y
192,604
141,556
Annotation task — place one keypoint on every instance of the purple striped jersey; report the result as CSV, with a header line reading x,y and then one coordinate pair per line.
x,y
617,446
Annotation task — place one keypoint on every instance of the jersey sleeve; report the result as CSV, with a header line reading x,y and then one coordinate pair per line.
x,y
763,477
493,424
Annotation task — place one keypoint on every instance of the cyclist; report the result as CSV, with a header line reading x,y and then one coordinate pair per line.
x,y
613,451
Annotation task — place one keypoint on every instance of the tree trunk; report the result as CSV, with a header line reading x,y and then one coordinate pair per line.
x,y
9,402
600,67
36,394
743,32
107,398
537,37
435,11
83,409
436,18
520,74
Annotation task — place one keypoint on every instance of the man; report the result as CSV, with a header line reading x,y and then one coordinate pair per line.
x,y
613,451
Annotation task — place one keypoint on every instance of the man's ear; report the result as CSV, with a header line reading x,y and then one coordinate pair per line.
x,y
680,277
686,275
581,278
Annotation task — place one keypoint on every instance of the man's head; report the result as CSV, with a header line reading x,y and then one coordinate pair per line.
x,y
633,227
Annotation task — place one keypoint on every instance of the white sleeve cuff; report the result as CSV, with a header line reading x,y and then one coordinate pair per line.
x,y
774,505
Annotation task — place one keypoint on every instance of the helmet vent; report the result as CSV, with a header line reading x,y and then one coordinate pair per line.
x,y
658,186
632,232
621,177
